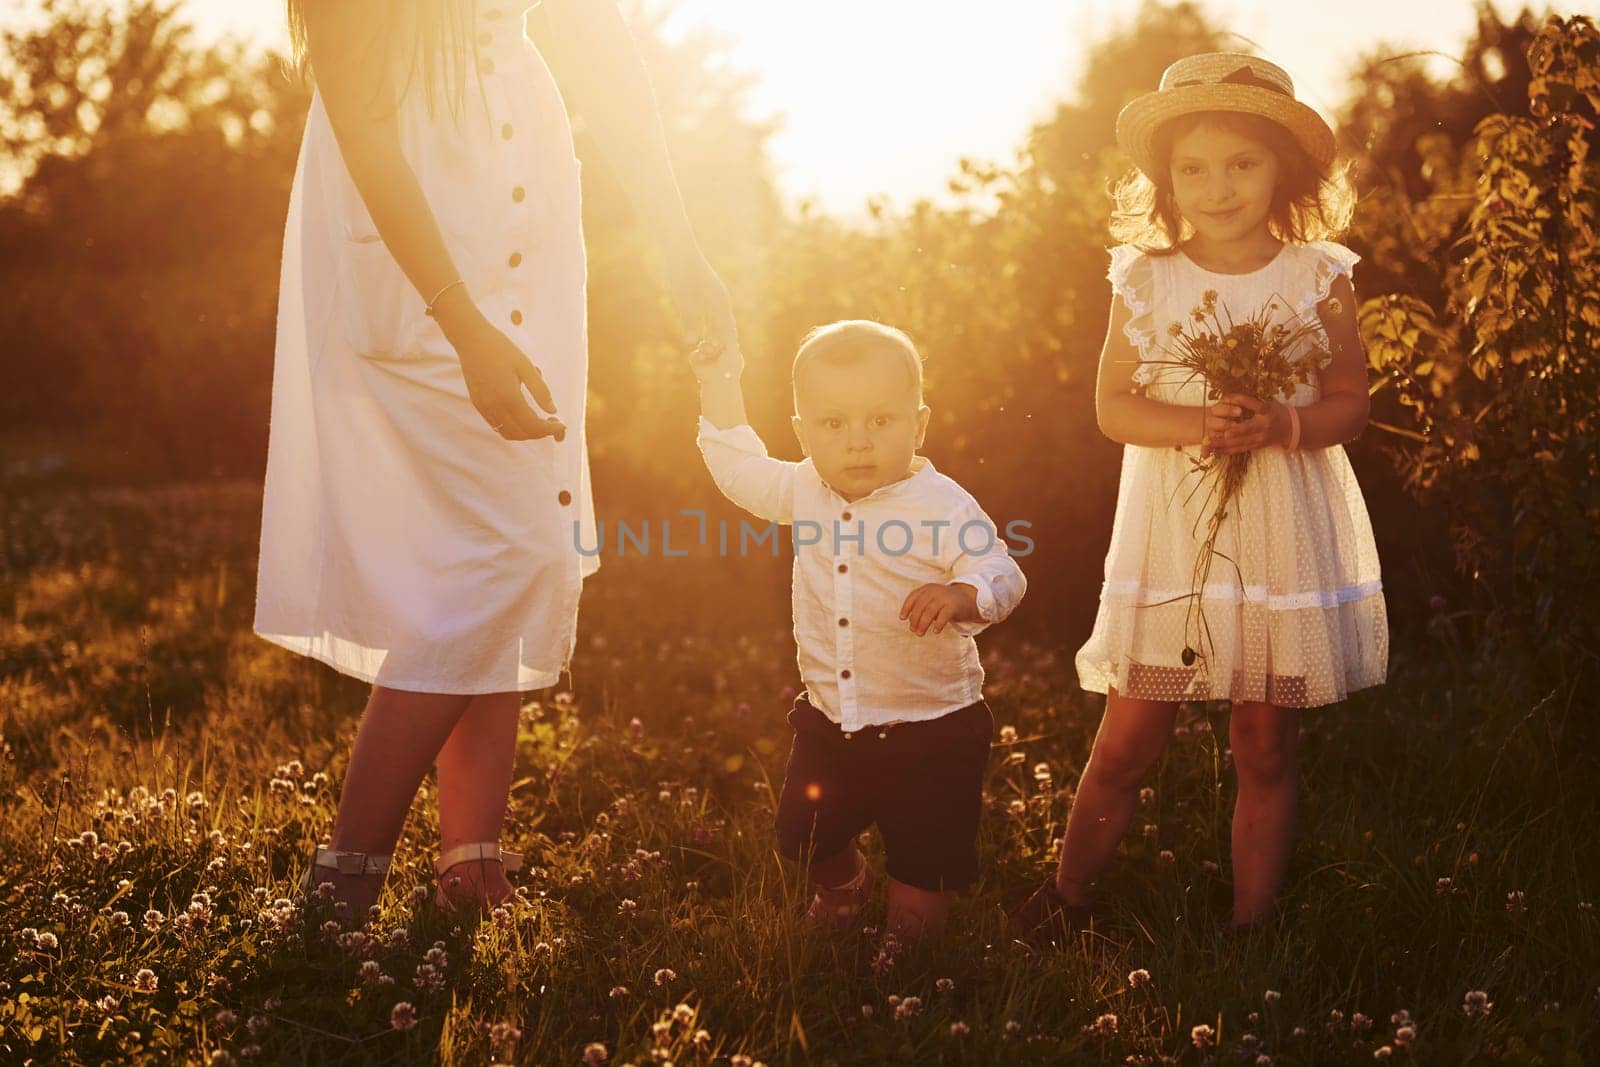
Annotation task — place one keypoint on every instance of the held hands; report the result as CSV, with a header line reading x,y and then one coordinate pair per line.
x,y
707,315
496,371
934,606
1239,423
711,362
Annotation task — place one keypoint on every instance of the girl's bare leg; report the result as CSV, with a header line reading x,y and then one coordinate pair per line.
x,y
1265,743
399,735
1131,737
475,768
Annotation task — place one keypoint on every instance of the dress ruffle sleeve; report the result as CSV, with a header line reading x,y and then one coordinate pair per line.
x,y
1328,260
1133,280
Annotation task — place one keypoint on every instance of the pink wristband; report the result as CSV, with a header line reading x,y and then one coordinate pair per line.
x,y
1294,427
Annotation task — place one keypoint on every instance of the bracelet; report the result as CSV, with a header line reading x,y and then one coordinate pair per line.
x,y
428,311
1294,427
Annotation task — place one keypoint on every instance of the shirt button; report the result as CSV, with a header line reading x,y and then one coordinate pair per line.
x,y
845,673
518,194
516,318
515,260
843,567
844,622
848,735
564,498
506,131
883,735
847,516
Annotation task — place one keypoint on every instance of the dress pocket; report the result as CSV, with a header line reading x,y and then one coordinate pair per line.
x,y
380,308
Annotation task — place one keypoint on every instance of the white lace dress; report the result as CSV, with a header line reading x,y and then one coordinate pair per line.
x,y
1300,621
403,541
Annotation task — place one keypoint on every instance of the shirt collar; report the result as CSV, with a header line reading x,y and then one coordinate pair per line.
x,y
921,471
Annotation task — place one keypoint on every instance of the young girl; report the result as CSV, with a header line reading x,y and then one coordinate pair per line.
x,y
427,464
1235,197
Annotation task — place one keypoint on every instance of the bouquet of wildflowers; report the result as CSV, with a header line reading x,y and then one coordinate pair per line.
x,y
1254,356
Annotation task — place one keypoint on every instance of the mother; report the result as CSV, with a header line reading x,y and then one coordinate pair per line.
x,y
419,518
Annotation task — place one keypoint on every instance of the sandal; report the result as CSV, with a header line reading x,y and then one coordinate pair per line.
x,y
836,907
1046,907
345,866
480,852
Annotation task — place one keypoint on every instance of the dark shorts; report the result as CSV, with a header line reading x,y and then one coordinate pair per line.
x,y
921,783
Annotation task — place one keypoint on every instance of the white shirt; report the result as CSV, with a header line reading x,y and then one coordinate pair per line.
x,y
856,562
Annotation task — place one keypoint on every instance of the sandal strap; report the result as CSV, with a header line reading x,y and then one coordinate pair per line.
x,y
487,851
350,863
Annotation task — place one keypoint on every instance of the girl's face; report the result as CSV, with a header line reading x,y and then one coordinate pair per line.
x,y
1223,183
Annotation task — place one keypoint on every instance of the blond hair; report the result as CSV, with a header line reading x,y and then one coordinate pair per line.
x,y
437,34
853,341
1310,203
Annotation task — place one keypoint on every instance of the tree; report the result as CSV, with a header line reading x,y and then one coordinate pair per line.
x,y
140,251
1501,378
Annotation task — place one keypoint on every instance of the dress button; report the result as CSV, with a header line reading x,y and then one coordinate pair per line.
x,y
506,131
516,318
844,622
564,498
845,673
843,567
515,260
518,194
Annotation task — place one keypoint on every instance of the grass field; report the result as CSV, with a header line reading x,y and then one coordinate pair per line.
x,y
165,775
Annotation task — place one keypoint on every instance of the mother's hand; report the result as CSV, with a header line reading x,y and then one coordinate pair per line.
x,y
1265,422
496,371
704,307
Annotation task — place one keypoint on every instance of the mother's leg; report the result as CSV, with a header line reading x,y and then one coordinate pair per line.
x,y
475,767
1131,738
1265,741
399,735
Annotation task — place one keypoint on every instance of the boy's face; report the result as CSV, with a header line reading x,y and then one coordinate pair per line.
x,y
1223,183
860,423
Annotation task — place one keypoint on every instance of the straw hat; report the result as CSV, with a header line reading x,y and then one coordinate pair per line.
x,y
1221,81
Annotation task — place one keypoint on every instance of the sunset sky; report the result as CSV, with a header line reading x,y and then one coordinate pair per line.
x,y
929,81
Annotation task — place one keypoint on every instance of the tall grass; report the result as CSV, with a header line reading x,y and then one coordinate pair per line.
x,y
165,775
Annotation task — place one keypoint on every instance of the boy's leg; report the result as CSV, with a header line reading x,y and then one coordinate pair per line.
x,y
838,870
820,811
914,913
475,767
1131,737
929,802
1265,742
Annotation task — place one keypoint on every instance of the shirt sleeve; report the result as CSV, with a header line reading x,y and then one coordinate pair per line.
x,y
978,556
739,464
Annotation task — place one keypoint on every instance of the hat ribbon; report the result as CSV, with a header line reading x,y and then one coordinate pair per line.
x,y
1242,76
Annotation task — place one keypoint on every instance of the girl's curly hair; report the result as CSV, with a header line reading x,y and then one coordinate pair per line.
x,y
1310,203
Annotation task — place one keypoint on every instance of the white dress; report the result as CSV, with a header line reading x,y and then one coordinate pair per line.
x,y
1300,621
404,542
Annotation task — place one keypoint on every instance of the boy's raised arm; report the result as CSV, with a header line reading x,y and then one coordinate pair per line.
x,y
733,451
721,390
